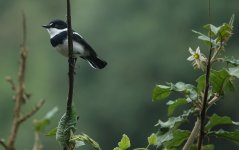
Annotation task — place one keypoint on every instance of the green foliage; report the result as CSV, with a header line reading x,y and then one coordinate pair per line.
x,y
221,81
82,139
161,92
66,128
52,132
39,125
231,136
215,120
152,139
124,143
233,61
179,137
169,135
172,105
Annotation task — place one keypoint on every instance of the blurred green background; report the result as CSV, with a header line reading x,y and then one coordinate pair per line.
x,y
144,43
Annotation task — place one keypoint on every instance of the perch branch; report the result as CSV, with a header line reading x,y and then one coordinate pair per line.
x,y
206,91
71,59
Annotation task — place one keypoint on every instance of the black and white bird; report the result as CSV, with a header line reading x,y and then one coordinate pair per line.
x,y
58,37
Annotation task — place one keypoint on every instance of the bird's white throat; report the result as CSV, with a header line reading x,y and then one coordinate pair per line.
x,y
55,31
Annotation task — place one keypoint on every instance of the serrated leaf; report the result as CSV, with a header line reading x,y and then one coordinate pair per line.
x,y
172,105
179,136
152,139
231,136
216,120
124,142
66,126
161,92
234,72
52,132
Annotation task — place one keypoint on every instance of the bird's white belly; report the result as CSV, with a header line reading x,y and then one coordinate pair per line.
x,y
78,49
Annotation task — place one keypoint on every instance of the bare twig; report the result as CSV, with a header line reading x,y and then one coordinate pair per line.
x,y
3,144
37,143
213,101
193,135
32,112
21,94
19,90
10,81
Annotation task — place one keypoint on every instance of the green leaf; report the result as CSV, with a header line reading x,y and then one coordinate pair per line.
x,y
124,142
164,137
231,136
187,89
141,149
220,81
234,72
152,139
224,33
232,61
39,125
173,121
232,20
172,105
179,136
51,113
170,123
214,30
83,139
66,126
216,120
52,132
205,38
161,92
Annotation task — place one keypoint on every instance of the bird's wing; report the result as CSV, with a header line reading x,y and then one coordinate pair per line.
x,y
78,38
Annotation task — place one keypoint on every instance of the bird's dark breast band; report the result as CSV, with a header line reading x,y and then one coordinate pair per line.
x,y
58,39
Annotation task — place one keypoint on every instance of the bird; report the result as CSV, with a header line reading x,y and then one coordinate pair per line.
x,y
57,30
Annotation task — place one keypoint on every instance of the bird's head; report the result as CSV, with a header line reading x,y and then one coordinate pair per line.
x,y
55,27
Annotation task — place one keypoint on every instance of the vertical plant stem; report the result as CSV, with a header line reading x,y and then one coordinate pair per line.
x,y
207,85
19,91
192,136
71,59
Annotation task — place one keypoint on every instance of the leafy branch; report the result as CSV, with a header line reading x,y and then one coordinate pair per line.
x,y
210,88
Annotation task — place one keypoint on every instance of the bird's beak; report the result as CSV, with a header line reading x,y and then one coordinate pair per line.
x,y
46,26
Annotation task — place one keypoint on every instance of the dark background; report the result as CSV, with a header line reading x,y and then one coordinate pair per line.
x,y
144,42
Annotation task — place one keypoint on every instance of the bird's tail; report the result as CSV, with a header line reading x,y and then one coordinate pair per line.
x,y
96,63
